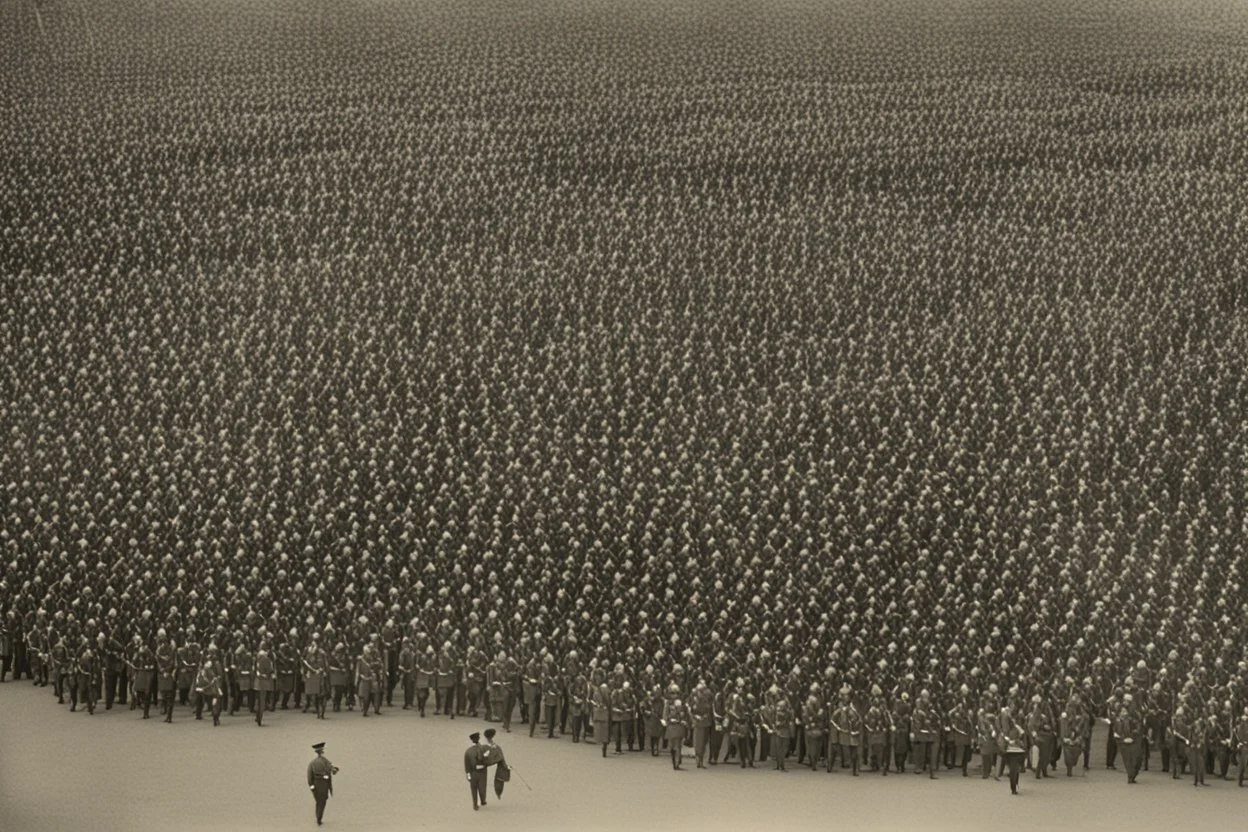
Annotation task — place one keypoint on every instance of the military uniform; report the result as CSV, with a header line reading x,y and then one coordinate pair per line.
x,y
676,723
1127,728
167,677
925,734
264,682
702,713
321,780
407,674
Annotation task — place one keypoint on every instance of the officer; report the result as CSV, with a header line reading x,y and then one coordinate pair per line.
x,y
475,770
321,779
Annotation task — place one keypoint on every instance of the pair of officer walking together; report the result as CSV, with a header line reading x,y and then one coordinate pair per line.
x,y
477,761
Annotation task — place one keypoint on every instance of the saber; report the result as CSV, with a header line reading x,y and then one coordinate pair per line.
x,y
521,776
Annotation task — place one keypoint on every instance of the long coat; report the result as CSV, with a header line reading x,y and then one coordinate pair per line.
x,y
678,720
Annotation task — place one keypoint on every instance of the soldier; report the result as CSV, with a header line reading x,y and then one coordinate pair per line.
x,y
60,667
900,727
814,724
531,691
652,716
1180,730
1013,742
208,686
315,667
676,723
321,779
1072,726
718,703
600,708
988,726
241,662
426,675
1240,739
1042,730
114,671
550,698
287,668
1221,728
474,679
87,669
741,724
166,673
365,674
959,729
702,714
781,728
445,702
144,664
390,633
188,657
407,673
924,734
264,681
1197,743
338,665
847,723
876,726
578,694
1126,731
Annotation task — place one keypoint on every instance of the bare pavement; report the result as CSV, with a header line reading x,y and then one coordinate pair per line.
x,y
115,771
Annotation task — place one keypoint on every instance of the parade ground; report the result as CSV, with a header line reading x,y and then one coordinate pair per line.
x,y
114,771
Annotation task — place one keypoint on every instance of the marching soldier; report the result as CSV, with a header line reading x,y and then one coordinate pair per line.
x,y
781,728
959,729
426,675
876,726
550,700
741,724
474,679
338,664
676,722
1240,739
188,657
407,673
1072,725
1042,730
1013,744
1180,730
925,733
445,702
1127,733
718,702
702,713
366,672
900,727
578,694
264,681
241,662
287,669
1198,745
988,726
814,724
315,666
87,670
600,708
144,664
208,686
166,673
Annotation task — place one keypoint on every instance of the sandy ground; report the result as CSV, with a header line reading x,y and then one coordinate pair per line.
x,y
114,771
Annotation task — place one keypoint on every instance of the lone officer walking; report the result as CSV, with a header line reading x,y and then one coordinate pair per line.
x,y
321,779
